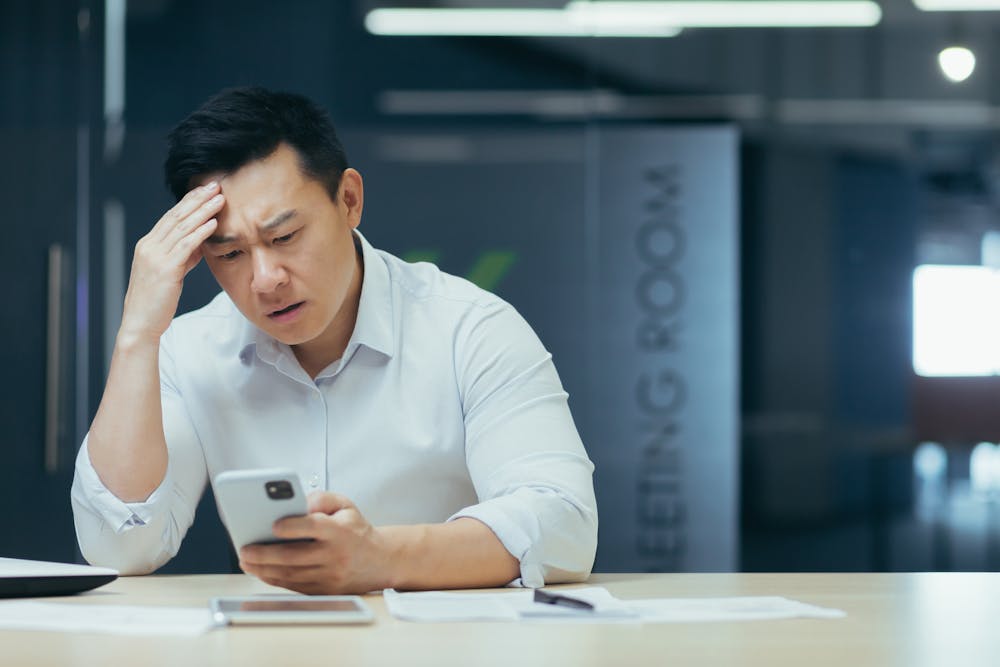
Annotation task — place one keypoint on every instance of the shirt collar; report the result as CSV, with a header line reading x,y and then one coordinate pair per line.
x,y
373,327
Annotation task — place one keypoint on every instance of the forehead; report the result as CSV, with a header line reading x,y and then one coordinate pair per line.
x,y
276,173
261,190
282,162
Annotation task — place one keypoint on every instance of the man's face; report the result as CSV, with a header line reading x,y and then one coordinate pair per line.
x,y
284,252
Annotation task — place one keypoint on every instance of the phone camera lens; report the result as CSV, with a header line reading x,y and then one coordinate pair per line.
x,y
279,489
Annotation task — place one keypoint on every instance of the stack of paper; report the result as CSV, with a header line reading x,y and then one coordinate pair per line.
x,y
112,619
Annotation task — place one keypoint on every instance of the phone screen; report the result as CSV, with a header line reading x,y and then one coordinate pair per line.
x,y
251,606
291,609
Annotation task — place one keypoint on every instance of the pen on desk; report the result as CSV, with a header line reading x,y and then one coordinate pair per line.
x,y
545,597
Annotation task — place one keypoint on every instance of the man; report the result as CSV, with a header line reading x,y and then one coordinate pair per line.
x,y
422,411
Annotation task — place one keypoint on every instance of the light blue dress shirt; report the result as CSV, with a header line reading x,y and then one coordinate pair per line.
x,y
445,404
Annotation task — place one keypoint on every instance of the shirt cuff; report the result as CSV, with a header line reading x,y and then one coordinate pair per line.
x,y
520,538
119,515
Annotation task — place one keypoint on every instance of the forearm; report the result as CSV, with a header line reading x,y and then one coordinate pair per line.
x,y
127,446
126,443
463,553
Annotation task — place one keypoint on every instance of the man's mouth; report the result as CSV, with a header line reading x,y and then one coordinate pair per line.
x,y
286,310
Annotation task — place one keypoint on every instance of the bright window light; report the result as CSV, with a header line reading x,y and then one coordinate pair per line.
x,y
930,461
956,321
930,467
984,468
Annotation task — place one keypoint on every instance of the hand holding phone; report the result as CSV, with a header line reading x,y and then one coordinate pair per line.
x,y
250,501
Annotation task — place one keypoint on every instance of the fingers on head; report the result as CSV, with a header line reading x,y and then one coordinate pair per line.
x,y
196,219
196,204
190,243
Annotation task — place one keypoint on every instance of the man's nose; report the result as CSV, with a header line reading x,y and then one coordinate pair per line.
x,y
268,273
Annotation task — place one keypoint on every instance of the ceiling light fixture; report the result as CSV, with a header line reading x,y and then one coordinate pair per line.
x,y
476,22
736,14
957,5
623,19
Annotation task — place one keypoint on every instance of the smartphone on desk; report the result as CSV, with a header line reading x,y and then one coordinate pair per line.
x,y
250,501
290,609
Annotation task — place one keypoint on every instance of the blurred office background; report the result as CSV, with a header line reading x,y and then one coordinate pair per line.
x,y
762,247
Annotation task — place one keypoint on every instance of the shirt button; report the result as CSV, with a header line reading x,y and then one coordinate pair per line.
x,y
314,481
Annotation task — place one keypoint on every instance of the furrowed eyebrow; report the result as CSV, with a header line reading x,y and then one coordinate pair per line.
x,y
276,221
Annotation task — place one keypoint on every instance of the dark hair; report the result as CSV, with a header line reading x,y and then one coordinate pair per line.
x,y
240,125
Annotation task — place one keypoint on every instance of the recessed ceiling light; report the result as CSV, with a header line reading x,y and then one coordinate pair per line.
x,y
957,63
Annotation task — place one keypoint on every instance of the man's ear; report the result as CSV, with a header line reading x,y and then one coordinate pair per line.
x,y
352,196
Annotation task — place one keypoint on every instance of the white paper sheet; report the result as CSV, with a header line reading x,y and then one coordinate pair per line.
x,y
518,606
442,607
693,610
514,605
108,619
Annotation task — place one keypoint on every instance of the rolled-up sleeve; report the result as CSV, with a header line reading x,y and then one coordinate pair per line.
x,y
138,537
529,467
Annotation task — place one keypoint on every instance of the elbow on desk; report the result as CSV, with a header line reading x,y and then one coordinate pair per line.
x,y
116,558
572,550
128,553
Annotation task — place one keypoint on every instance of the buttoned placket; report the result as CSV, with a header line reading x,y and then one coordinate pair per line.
x,y
283,360
319,480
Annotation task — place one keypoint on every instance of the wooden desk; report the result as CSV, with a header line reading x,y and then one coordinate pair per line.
x,y
909,620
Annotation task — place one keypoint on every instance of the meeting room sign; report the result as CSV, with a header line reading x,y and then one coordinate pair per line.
x,y
668,453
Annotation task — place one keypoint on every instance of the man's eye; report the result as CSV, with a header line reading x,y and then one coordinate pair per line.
x,y
232,254
284,239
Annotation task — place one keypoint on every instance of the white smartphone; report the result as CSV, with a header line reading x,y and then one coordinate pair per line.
x,y
297,609
250,501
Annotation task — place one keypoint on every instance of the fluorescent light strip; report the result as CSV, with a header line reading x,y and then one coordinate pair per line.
x,y
624,19
746,108
568,104
915,113
510,23
730,14
957,5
